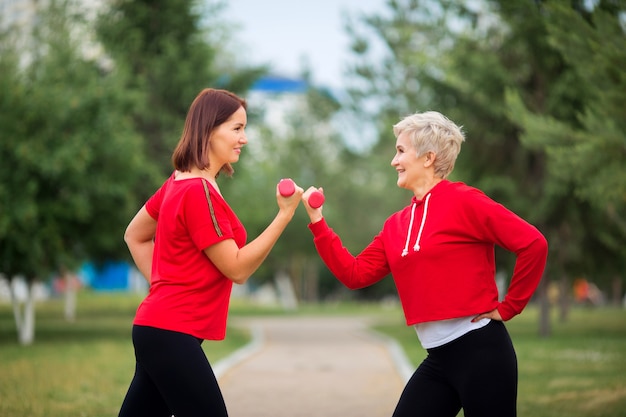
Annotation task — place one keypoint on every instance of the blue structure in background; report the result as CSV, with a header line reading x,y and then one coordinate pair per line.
x,y
112,276
276,84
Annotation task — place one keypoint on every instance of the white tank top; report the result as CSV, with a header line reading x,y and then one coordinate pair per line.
x,y
433,334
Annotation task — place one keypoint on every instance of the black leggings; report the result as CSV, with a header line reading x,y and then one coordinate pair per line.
x,y
476,372
172,377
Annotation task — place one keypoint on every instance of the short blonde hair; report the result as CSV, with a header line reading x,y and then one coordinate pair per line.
x,y
433,132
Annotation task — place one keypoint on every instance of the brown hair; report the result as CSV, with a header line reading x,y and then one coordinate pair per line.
x,y
210,108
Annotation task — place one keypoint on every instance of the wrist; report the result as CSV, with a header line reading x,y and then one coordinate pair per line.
x,y
315,219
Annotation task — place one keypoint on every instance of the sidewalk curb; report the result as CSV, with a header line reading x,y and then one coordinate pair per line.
x,y
238,356
403,365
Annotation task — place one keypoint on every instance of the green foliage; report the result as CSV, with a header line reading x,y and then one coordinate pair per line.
x,y
586,153
542,107
70,157
167,47
305,149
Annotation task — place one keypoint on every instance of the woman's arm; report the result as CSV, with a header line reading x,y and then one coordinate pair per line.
x,y
239,264
139,238
365,269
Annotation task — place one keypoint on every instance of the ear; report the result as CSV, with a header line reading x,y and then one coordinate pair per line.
x,y
430,159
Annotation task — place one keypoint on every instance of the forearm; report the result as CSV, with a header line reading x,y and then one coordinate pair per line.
x,y
254,253
527,273
139,237
238,264
355,272
142,256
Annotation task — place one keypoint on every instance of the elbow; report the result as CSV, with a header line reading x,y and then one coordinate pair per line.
x,y
130,239
352,286
543,245
127,237
239,279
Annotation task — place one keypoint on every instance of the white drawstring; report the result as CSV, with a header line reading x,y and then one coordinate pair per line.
x,y
405,252
416,248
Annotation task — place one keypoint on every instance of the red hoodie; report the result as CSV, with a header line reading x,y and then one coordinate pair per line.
x,y
440,251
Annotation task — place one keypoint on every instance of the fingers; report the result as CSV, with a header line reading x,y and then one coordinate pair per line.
x,y
493,315
313,198
288,195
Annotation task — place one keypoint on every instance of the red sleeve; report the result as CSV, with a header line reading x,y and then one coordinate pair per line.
x,y
208,220
367,268
153,205
508,230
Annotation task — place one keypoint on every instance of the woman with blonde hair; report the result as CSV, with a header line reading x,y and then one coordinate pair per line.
x,y
440,252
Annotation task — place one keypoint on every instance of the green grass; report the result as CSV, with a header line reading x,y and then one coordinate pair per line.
x,y
84,368
81,368
579,371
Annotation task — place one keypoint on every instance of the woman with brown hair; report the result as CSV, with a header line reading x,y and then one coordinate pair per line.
x,y
191,247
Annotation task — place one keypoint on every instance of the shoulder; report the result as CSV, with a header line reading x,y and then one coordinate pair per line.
x,y
461,192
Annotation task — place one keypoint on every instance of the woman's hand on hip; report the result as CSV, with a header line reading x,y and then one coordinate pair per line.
x,y
493,315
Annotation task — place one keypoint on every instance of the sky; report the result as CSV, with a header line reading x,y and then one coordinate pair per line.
x,y
284,32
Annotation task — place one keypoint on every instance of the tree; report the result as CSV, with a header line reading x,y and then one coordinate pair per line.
x,y
172,50
465,59
70,158
590,151
458,60
304,148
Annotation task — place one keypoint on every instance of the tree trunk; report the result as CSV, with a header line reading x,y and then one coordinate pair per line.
x,y
27,335
71,287
311,277
564,299
616,291
286,292
24,320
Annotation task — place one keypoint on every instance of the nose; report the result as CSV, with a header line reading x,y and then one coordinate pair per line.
x,y
394,160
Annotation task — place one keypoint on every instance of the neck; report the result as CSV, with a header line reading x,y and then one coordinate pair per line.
x,y
206,173
423,188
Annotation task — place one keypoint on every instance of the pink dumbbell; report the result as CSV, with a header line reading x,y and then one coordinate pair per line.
x,y
316,199
286,188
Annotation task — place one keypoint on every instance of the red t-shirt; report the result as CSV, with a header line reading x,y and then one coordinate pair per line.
x,y
187,292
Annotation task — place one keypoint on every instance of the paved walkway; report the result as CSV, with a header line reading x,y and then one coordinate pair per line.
x,y
313,367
